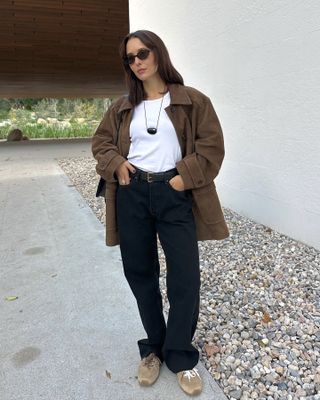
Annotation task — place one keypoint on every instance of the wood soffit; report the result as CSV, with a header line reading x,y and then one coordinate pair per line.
x,y
61,48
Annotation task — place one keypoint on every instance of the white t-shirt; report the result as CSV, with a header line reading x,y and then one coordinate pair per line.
x,y
154,153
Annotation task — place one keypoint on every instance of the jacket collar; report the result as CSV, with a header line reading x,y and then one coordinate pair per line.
x,y
125,104
178,94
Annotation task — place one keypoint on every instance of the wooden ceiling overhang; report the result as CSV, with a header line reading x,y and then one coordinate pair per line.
x,y
61,48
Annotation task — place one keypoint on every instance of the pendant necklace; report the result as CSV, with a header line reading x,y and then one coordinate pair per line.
x,y
151,130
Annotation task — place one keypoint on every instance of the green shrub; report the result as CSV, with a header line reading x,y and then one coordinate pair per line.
x,y
24,113
47,108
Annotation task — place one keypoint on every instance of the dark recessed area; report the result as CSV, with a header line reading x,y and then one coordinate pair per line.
x,y
61,48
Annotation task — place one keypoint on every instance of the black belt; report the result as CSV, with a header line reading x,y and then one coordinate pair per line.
x,y
154,176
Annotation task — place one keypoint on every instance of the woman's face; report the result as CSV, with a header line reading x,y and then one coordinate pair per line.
x,y
143,69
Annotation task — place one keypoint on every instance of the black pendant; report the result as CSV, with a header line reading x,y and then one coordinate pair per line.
x,y
152,131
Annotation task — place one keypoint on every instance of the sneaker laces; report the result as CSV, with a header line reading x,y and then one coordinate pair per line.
x,y
191,373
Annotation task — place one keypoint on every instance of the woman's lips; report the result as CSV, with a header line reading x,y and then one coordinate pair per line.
x,y
141,71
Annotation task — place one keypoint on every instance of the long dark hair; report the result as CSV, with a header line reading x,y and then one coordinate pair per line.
x,y
166,70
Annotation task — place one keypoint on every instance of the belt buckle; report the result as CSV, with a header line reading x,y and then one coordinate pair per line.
x,y
149,177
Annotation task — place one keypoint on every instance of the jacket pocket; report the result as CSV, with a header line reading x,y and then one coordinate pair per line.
x,y
207,204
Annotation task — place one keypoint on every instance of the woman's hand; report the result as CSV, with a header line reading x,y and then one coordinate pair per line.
x,y
122,173
177,183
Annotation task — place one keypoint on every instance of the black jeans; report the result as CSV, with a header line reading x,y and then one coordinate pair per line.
x,y
143,211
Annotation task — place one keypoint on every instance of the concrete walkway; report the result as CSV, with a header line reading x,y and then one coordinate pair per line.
x,y
71,333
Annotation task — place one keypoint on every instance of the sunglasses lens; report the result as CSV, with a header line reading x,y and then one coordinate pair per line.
x,y
143,54
130,60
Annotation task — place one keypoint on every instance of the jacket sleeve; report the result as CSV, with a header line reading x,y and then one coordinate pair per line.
x,y
103,146
202,166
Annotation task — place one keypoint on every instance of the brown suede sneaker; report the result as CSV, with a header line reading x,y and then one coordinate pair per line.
x,y
149,370
190,381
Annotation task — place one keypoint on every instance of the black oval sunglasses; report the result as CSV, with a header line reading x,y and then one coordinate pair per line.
x,y
142,55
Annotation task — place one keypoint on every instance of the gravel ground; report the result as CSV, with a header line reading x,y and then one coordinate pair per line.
x,y
259,325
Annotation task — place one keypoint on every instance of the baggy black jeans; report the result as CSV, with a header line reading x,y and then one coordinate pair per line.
x,y
143,211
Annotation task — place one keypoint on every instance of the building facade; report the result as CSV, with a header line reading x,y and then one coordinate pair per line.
x,y
259,63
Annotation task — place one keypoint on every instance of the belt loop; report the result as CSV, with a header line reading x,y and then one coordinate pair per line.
x,y
137,174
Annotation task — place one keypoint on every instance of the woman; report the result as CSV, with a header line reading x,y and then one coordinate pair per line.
x,y
159,149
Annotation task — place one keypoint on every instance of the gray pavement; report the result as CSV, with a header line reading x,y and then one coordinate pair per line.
x,y
71,333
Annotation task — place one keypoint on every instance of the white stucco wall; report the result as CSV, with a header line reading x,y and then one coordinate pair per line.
x,y
259,61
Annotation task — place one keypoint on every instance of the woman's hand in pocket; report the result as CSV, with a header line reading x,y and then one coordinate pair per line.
x,y
177,183
122,173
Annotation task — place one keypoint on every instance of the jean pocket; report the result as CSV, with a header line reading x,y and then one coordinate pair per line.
x,y
133,179
184,192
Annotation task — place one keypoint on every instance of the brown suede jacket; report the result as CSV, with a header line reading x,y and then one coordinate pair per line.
x,y
202,146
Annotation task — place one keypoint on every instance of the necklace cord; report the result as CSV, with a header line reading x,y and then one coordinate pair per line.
x,y
145,117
